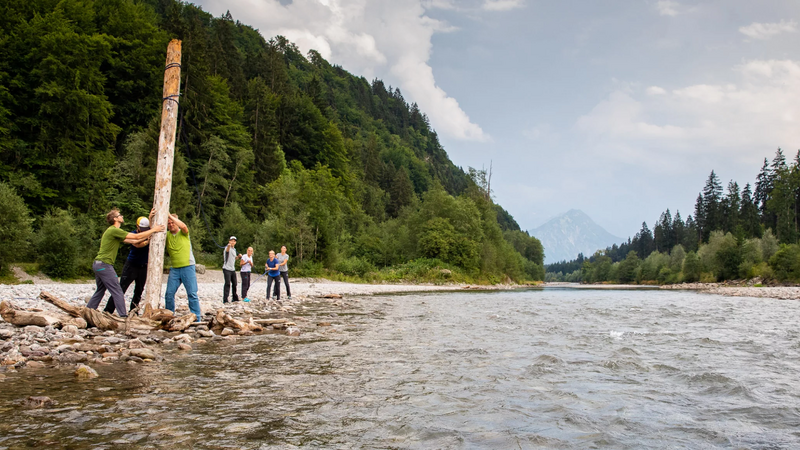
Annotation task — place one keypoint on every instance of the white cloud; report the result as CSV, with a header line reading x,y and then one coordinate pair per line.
x,y
502,5
763,31
389,39
758,113
668,8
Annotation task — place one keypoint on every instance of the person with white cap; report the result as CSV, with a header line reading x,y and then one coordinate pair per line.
x,y
229,270
135,268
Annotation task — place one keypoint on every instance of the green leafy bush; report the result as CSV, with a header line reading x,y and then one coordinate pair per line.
x,y
15,227
56,247
354,266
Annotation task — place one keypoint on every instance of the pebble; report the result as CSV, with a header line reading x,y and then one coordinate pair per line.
x,y
293,331
85,372
185,347
227,332
34,364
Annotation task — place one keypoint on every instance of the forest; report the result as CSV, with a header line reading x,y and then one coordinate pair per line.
x,y
274,146
734,233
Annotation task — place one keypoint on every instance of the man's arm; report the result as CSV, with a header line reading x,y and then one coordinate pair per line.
x,y
145,234
141,244
182,226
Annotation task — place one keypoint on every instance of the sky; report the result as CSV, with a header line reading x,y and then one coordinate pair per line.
x,y
618,108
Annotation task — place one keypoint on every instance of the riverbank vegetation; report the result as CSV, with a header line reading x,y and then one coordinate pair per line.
x,y
275,147
733,234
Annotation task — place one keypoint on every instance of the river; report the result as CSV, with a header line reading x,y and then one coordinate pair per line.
x,y
547,368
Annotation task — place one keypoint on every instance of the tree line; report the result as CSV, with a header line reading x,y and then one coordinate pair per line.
x,y
734,233
276,147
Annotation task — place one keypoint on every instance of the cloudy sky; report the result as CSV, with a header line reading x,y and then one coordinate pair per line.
x,y
619,108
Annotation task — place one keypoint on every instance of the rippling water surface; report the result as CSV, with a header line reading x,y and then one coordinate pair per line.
x,y
552,368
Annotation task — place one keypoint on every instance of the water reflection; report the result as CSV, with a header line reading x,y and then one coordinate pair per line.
x,y
536,369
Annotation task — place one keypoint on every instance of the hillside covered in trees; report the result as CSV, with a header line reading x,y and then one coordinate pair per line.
x,y
275,147
734,233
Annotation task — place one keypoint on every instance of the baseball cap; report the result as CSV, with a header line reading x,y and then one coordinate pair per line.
x,y
233,237
143,222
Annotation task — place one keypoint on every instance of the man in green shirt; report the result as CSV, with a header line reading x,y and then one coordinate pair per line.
x,y
103,266
179,248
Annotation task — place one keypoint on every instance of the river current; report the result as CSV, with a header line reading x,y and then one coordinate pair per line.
x,y
548,368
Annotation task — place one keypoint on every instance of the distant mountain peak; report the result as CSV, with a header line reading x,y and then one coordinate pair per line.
x,y
570,233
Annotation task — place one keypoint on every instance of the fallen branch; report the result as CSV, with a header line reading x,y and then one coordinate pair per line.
x,y
22,318
223,320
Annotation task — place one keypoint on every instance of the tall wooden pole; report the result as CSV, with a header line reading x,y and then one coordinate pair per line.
x,y
166,156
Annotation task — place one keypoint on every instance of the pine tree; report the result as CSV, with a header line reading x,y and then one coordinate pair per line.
x,y
712,206
731,206
663,236
748,214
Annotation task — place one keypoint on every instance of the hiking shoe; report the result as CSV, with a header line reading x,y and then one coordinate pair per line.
x,y
289,297
246,300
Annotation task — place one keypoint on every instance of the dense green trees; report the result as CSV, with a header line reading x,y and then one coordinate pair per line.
x,y
734,234
274,146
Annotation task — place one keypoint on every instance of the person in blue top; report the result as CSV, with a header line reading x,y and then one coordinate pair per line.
x,y
273,275
135,268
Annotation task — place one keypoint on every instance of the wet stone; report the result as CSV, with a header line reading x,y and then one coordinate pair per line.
x,y
34,364
38,402
227,332
135,343
85,372
144,353
185,347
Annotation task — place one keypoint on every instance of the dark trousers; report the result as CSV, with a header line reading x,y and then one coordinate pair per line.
x,y
285,276
131,273
106,279
277,281
230,281
245,283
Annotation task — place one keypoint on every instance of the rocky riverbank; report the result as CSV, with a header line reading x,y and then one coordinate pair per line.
x,y
36,346
745,289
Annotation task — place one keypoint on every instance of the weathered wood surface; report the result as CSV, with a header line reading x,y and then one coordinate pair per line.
x,y
224,320
166,156
23,318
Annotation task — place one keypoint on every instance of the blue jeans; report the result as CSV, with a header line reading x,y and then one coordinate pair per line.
x,y
188,277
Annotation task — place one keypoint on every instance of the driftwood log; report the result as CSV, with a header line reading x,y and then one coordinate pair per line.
x,y
162,319
224,320
23,318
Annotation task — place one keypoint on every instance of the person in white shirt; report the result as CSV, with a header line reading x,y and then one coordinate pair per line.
x,y
230,256
246,266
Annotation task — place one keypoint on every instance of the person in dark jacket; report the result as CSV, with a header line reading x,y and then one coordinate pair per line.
x,y
135,268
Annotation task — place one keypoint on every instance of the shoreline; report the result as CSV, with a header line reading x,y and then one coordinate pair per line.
x,y
773,292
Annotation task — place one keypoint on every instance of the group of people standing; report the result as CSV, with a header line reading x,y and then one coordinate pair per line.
x,y
276,267
182,268
178,247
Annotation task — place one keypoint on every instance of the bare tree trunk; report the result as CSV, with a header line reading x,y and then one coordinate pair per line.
x,y
166,158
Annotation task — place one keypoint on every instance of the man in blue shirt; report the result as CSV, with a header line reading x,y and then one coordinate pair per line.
x,y
135,268
273,275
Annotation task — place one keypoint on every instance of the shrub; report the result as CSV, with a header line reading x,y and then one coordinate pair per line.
x,y
785,263
15,228
691,267
354,266
56,244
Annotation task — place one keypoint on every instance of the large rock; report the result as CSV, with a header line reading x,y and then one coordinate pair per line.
x,y
70,357
86,372
206,333
38,402
135,343
199,268
5,333
144,353
227,332
293,331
